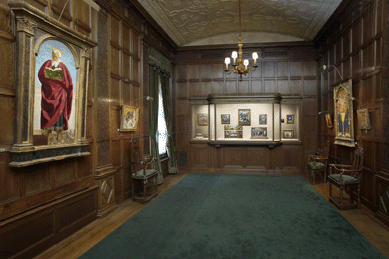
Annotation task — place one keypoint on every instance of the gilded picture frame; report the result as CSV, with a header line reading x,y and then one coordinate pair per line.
x,y
290,119
258,132
343,114
42,134
225,118
262,119
329,120
288,134
364,119
202,119
129,118
244,116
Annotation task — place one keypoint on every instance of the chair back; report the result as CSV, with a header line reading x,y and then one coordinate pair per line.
x,y
135,155
359,156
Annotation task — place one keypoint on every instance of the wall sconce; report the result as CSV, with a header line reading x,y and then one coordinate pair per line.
x,y
148,98
324,68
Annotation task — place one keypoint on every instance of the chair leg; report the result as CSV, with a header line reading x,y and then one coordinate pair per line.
x,y
144,193
133,189
313,177
352,195
325,176
359,196
341,188
330,189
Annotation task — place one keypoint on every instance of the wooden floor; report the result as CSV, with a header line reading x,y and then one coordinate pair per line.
x,y
81,241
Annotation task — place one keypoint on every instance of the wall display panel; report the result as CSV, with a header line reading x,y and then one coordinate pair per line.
x,y
252,119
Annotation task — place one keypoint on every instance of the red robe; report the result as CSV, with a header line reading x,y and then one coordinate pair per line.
x,y
56,97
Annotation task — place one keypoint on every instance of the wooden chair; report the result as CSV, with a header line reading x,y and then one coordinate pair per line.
x,y
318,162
348,176
143,177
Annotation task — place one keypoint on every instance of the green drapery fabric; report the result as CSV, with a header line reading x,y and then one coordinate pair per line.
x,y
173,169
153,77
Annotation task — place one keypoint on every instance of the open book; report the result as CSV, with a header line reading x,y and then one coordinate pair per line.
x,y
55,74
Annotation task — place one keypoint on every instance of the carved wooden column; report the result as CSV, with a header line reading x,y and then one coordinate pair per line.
x,y
24,104
104,170
382,178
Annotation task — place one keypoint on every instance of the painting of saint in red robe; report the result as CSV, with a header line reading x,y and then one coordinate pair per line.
x,y
57,93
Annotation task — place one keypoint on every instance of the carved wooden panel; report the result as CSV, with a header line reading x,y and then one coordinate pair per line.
x,y
73,211
296,87
310,87
270,86
199,155
7,114
233,157
257,157
257,86
7,78
282,69
231,87
107,190
269,69
116,153
283,87
244,87
64,172
10,189
38,180
292,156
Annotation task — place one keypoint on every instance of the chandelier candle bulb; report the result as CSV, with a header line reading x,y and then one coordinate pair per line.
x,y
246,63
234,56
227,61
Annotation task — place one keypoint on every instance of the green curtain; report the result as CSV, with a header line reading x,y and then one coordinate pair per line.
x,y
173,169
153,76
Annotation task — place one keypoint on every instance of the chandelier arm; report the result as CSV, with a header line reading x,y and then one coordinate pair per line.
x,y
255,68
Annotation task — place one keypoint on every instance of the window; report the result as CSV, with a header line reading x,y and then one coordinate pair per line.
x,y
162,130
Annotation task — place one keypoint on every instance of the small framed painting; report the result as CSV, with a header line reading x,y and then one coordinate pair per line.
x,y
288,133
225,118
262,119
364,119
328,120
129,118
244,117
290,119
202,119
258,132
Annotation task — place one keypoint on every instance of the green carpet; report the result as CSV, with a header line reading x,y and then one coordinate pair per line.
x,y
236,216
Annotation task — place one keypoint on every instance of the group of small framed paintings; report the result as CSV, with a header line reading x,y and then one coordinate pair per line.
x,y
233,131
258,132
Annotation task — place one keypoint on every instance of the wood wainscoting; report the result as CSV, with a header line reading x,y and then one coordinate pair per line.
x,y
31,232
246,159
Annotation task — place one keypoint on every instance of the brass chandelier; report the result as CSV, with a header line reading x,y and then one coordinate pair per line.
x,y
238,67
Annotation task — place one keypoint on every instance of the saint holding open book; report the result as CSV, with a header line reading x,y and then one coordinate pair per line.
x,y
57,93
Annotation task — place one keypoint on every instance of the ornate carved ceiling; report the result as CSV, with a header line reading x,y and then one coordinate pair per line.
x,y
207,22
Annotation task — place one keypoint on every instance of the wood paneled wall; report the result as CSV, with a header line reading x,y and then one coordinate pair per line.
x,y
43,203
354,44
282,68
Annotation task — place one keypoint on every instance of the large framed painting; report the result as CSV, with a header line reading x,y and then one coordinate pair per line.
x,y
52,87
129,118
343,114
244,117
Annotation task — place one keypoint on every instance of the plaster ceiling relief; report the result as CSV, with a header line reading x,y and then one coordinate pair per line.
x,y
207,22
